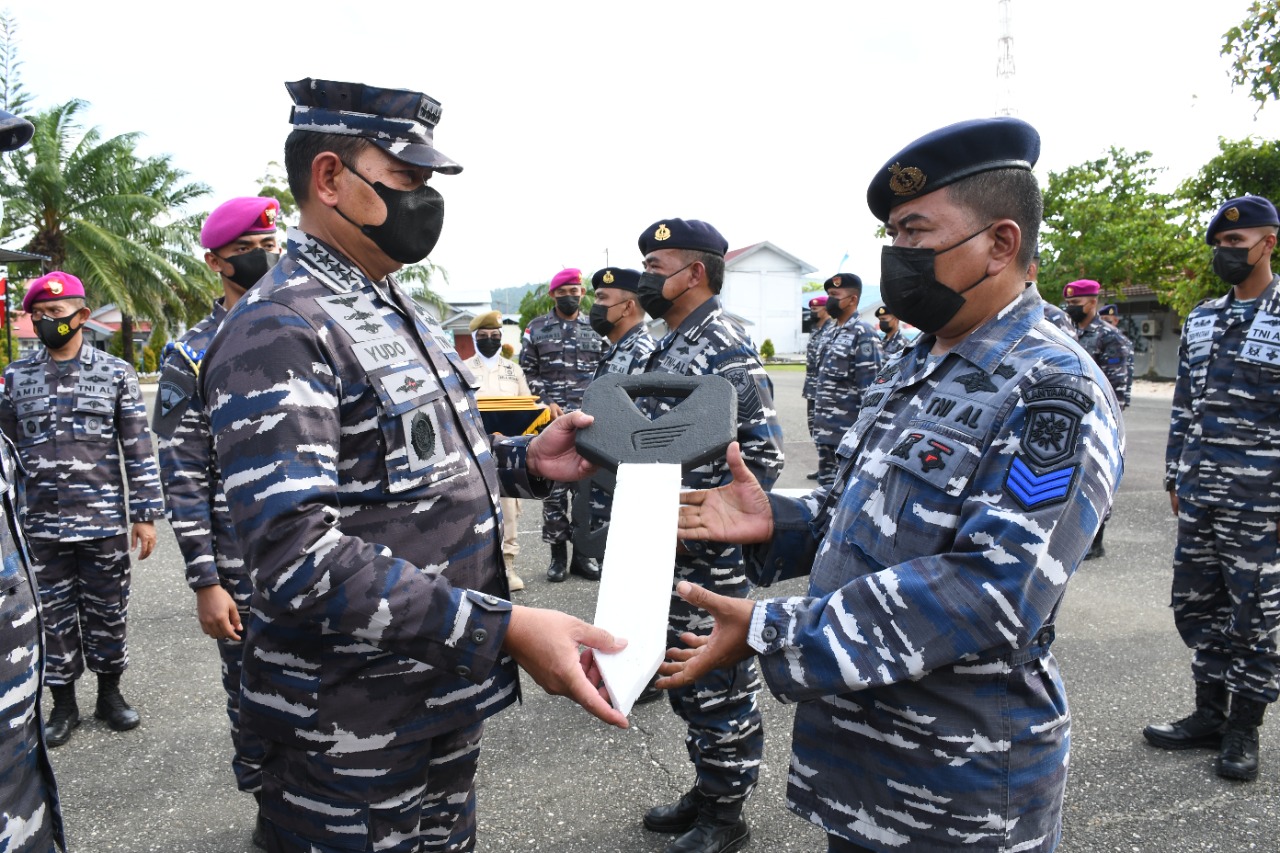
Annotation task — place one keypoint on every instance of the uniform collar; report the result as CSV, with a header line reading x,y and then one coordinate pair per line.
x,y
699,319
325,263
990,344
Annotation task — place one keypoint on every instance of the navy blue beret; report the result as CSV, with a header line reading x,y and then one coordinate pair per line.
x,y
1250,211
843,279
883,311
950,154
1108,311
398,121
615,277
683,234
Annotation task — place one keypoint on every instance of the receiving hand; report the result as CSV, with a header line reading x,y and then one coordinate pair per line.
x,y
737,512
725,647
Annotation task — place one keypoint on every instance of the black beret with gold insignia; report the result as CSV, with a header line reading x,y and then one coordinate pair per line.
x,y
883,311
1250,211
1109,311
683,234
616,277
843,279
951,154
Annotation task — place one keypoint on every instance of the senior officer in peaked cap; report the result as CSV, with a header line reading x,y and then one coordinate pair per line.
x,y
364,492
499,377
681,283
76,414
241,243
1222,471
30,821
931,713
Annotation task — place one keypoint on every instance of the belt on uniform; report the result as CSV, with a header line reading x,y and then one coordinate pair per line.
x,y
1038,648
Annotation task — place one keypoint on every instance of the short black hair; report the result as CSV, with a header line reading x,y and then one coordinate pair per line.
x,y
303,146
1005,194
714,265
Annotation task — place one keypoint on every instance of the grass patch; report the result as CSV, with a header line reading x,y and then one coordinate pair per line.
x,y
785,368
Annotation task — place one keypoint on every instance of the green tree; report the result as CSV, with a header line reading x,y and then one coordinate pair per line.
x,y
104,214
12,96
766,349
1244,166
1254,50
1105,220
274,183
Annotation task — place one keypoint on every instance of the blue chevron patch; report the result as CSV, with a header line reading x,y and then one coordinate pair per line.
x,y
1032,490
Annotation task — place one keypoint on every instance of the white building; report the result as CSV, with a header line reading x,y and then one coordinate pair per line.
x,y
762,286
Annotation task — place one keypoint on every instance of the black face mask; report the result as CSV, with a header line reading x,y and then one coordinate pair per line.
x,y
885,327
649,290
1076,313
568,305
488,347
912,293
413,223
835,306
1232,264
55,332
600,322
248,268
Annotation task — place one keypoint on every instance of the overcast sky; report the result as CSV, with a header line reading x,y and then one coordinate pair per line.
x,y
578,124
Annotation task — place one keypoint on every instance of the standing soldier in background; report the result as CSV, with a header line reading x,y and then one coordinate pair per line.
x,y
499,377
30,820
75,412
1110,315
851,358
1223,477
617,316
893,342
559,354
241,245
1052,313
1110,350
819,326
682,280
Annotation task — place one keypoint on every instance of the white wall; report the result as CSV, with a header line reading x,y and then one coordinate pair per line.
x,y
765,289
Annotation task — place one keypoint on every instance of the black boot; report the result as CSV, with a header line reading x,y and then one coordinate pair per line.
x,y
259,825
1239,756
584,567
559,568
675,817
1204,728
719,828
1096,550
64,717
111,705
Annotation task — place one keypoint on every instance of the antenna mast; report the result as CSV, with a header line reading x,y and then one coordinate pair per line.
x,y
1004,60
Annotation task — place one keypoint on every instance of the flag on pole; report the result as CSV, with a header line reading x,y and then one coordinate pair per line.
x,y
842,260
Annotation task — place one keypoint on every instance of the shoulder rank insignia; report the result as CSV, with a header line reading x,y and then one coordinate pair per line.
x,y
1032,490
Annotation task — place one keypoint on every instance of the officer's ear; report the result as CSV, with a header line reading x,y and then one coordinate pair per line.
x,y
325,169
1006,238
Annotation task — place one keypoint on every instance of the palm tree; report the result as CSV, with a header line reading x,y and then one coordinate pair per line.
x,y
104,214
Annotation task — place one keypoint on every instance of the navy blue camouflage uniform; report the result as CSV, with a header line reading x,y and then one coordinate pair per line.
x,y
1113,353
893,344
30,820
197,508
1222,463
73,425
812,358
364,490
851,357
559,359
725,737
931,713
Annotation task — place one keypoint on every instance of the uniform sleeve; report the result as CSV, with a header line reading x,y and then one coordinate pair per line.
x,y
8,415
985,579
146,502
759,433
1179,417
791,551
273,401
1118,367
529,363
186,463
868,357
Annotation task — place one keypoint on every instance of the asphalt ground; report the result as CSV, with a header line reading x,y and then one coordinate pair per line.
x,y
552,778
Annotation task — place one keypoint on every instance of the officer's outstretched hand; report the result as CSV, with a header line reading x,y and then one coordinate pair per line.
x,y
553,455
546,645
725,647
736,512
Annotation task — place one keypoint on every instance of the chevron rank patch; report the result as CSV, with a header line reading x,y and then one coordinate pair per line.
x,y
1033,490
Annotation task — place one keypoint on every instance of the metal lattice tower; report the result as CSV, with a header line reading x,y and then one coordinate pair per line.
x,y
1004,60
